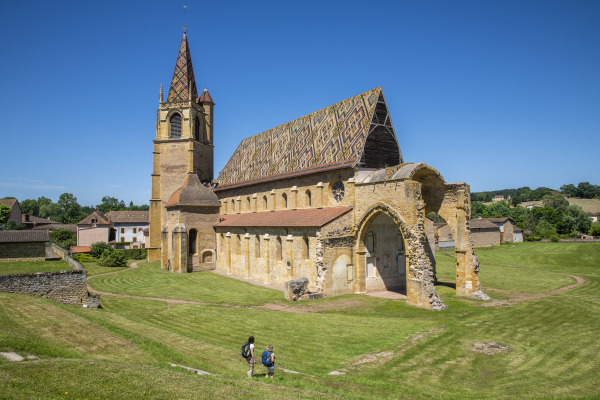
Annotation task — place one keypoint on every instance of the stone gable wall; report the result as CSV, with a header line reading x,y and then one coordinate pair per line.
x,y
24,251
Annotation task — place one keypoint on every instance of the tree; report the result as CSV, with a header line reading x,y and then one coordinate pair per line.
x,y
576,219
555,200
585,190
545,229
112,258
595,230
50,210
529,224
63,238
8,198
130,204
569,189
69,208
5,212
516,200
98,248
11,225
108,204
30,206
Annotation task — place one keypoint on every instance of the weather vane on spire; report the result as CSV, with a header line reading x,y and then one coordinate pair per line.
x,y
185,19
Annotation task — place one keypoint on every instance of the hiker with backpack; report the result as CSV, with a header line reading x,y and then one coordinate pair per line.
x,y
248,354
268,360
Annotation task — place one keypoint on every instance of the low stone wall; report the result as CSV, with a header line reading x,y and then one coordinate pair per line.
x,y
66,287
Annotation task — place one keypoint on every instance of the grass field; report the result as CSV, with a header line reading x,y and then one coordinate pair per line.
x,y
28,267
92,268
386,349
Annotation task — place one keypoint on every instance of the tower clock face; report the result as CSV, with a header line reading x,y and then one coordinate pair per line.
x,y
338,191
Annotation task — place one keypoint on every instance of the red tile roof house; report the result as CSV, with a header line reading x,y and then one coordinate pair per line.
x,y
23,246
15,215
507,229
94,228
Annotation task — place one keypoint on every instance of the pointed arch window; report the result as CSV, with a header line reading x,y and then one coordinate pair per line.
x,y
265,203
284,200
197,129
279,249
175,126
308,200
248,208
257,246
306,248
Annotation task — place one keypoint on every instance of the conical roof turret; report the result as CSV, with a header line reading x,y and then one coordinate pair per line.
x,y
183,77
205,97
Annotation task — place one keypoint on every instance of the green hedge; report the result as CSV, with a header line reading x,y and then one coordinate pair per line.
x,y
134,254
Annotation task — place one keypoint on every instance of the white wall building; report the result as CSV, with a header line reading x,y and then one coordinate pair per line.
x,y
129,226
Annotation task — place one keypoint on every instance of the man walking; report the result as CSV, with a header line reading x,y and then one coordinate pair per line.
x,y
248,352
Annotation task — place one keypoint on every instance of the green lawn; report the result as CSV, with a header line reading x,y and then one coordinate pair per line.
x,y
28,267
124,349
92,268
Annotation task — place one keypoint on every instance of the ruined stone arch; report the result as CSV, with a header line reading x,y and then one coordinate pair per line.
x,y
372,213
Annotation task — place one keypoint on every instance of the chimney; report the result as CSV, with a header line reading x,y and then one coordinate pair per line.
x,y
25,217
108,216
48,218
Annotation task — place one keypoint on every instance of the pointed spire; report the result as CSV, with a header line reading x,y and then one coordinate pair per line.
x,y
183,84
160,96
206,96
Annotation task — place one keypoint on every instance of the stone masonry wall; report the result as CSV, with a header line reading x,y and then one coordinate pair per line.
x,y
66,287
485,237
24,251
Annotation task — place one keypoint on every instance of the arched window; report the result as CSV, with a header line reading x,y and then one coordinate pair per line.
x,y
257,246
248,204
192,241
279,250
265,203
370,242
307,199
176,126
207,257
284,200
197,129
239,245
305,248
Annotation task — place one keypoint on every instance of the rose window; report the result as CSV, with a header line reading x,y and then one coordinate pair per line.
x,y
338,191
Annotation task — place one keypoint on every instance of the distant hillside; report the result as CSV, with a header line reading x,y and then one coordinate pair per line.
x,y
584,190
588,205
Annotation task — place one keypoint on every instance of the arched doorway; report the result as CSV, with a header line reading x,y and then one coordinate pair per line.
x,y
341,284
385,255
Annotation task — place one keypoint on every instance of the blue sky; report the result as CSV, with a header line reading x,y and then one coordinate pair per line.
x,y
498,94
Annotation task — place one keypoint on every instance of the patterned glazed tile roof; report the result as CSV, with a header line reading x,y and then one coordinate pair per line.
x,y
100,218
24,236
129,216
183,76
205,96
312,217
334,135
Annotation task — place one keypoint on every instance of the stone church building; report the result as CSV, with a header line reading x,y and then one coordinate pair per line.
x,y
327,197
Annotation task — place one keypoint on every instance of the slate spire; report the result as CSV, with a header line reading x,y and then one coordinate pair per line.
x,y
183,77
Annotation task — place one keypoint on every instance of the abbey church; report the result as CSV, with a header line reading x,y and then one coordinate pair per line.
x,y
327,197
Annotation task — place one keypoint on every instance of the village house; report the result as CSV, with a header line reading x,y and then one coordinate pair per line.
x,y
94,228
327,197
129,227
16,214
507,229
499,197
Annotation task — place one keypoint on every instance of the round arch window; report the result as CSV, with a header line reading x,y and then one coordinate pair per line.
x,y
338,191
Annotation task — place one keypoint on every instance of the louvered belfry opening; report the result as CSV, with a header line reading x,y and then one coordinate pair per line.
x,y
381,147
176,126
197,129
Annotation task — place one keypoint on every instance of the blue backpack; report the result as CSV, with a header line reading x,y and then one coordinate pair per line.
x,y
266,359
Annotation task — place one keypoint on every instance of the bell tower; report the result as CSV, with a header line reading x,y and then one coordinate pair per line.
x,y
183,144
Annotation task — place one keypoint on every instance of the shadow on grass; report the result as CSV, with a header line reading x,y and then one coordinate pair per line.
x,y
451,285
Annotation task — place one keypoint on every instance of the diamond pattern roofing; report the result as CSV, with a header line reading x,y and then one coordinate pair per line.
x,y
183,76
332,137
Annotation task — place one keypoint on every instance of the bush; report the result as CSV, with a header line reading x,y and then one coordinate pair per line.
x,y
63,238
98,248
554,238
595,230
83,258
134,254
112,258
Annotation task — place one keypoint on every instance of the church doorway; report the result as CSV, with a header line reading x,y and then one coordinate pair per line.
x,y
385,255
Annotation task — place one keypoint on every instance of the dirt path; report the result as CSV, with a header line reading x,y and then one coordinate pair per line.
x,y
521,297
